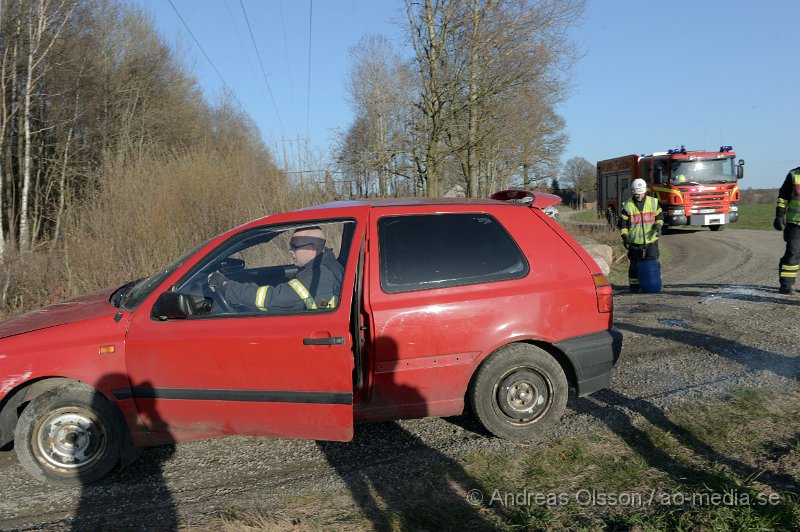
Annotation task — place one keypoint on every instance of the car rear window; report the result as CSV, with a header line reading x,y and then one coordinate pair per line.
x,y
441,250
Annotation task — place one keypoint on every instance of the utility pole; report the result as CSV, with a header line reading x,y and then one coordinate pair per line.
x,y
299,155
299,158
285,162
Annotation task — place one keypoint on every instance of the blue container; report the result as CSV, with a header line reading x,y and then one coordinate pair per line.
x,y
649,275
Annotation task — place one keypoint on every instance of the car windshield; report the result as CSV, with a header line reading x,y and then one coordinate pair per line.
x,y
703,172
132,294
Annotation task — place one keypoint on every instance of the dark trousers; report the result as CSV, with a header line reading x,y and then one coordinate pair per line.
x,y
635,254
790,262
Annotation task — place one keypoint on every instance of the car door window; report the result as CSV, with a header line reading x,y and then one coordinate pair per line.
x,y
435,251
262,270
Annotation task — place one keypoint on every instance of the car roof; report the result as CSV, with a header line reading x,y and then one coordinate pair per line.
x,y
505,197
401,202
343,206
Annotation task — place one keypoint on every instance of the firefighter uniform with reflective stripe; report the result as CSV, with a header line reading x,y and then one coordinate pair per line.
x,y
317,285
640,222
787,213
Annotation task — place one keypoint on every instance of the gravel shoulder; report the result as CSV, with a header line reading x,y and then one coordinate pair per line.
x,y
719,323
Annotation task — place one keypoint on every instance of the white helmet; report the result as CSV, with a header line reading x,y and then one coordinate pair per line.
x,y
639,186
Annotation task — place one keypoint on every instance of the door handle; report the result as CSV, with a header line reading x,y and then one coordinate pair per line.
x,y
334,340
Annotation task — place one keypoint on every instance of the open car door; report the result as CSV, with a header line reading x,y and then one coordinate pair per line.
x,y
249,372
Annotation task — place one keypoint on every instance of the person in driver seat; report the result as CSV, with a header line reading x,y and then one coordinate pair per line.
x,y
316,285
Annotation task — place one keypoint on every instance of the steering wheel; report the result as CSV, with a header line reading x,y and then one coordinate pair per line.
x,y
220,301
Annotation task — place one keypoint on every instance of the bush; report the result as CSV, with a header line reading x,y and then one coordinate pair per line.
x,y
147,211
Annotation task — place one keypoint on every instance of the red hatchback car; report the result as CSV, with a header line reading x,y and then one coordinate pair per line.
x,y
437,304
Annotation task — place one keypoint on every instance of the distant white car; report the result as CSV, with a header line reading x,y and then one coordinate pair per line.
x,y
552,212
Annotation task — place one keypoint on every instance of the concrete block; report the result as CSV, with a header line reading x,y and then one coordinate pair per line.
x,y
601,251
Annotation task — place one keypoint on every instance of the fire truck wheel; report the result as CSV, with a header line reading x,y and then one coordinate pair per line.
x,y
70,435
717,227
518,392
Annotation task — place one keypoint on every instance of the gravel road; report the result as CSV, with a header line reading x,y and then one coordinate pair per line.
x,y
719,323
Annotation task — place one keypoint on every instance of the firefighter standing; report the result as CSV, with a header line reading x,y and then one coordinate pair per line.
x,y
640,224
787,219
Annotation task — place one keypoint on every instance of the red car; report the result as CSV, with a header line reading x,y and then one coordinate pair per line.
x,y
439,303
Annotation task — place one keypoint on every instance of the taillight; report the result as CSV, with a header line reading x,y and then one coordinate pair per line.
x,y
602,288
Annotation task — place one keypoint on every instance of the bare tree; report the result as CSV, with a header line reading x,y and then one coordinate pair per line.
x,y
478,60
378,91
44,22
350,157
92,101
8,109
581,175
431,24
527,150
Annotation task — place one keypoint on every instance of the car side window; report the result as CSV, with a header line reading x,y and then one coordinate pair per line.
x,y
285,269
421,252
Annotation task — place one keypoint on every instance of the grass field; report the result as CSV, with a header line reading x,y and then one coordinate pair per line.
x,y
587,216
750,217
755,217
726,462
659,472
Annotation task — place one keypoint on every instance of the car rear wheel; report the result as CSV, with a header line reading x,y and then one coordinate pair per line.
x,y
519,392
69,435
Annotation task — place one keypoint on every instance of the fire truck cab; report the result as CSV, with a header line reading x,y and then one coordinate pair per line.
x,y
693,187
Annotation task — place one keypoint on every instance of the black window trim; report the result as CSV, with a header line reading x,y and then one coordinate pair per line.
x,y
215,253
446,284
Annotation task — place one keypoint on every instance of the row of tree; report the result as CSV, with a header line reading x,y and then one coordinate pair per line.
x,y
88,92
473,107
113,164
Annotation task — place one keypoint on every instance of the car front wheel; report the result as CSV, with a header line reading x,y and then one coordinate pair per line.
x,y
519,392
70,435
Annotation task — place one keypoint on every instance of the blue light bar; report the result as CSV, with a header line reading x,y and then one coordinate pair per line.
x,y
723,149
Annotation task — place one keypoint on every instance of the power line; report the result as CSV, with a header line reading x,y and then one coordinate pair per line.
x,y
241,43
308,87
261,64
288,62
210,62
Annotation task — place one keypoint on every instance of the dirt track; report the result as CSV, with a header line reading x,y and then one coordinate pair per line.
x,y
718,323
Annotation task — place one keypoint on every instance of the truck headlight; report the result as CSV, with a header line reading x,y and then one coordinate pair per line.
x,y
734,207
676,212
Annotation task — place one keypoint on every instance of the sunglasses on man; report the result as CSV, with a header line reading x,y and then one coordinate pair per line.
x,y
294,246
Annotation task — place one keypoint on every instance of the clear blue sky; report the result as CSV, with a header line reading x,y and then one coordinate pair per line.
x,y
654,75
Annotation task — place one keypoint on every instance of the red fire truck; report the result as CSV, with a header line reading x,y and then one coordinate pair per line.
x,y
693,187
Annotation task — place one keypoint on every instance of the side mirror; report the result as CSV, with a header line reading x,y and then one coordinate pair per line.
x,y
740,169
177,306
658,174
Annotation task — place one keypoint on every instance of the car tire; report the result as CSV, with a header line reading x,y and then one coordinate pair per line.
x,y
70,435
519,392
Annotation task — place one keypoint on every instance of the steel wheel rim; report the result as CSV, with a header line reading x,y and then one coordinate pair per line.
x,y
69,439
523,395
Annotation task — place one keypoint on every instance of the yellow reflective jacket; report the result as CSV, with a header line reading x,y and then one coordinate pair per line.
x,y
640,226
